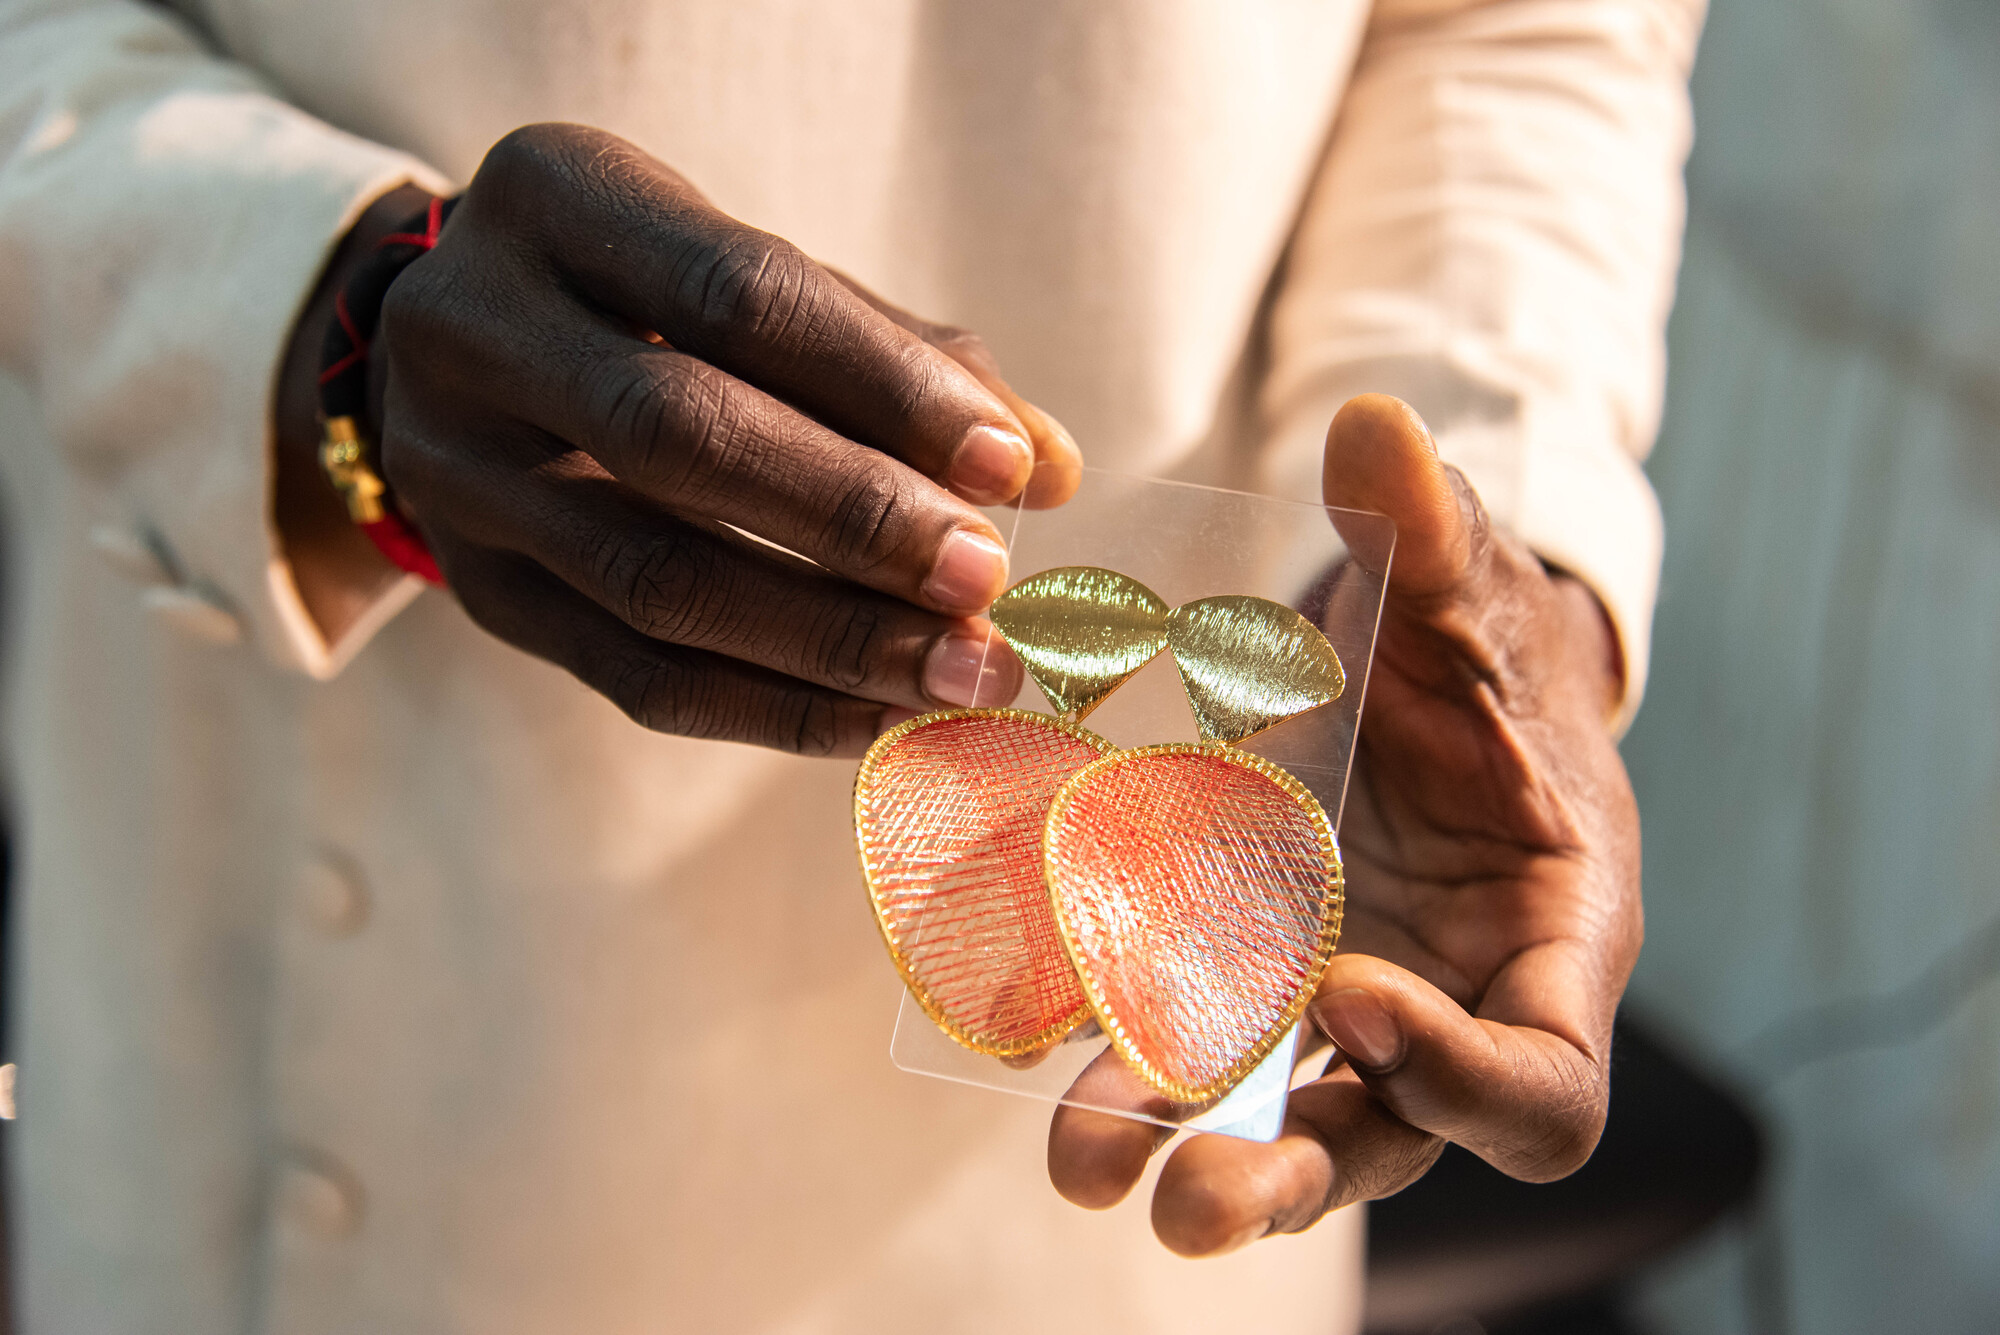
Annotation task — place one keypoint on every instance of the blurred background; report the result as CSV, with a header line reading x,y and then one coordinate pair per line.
x,y
1818,759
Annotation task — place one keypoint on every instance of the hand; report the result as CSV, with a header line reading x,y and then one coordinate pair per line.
x,y
596,378
1491,847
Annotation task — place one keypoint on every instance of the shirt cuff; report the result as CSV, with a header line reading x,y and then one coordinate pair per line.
x,y
1592,513
290,634
252,199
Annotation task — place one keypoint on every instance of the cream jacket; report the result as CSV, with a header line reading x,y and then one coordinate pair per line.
x,y
400,984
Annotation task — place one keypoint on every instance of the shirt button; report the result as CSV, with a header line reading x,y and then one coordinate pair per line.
x,y
332,897
319,1200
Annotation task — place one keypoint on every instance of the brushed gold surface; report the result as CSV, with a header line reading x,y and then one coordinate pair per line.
x,y
1080,631
1248,663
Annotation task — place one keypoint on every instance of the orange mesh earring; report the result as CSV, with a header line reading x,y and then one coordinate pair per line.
x,y
1198,892
1026,874
1198,889
949,811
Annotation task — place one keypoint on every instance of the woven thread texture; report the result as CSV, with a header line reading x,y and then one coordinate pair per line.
x,y
1195,891
951,820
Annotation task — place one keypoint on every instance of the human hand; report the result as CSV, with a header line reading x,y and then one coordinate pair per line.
x,y
1491,849
580,482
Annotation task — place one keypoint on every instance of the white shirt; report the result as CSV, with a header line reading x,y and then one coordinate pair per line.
x,y
401,984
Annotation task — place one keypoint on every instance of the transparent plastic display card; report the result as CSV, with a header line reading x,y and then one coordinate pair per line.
x,y
1186,543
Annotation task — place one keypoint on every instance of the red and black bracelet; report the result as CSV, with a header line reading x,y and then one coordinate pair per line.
x,y
345,451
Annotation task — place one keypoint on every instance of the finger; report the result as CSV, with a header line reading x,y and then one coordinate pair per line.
x,y
1380,457
641,243
1339,1146
1527,1097
663,687
1467,613
707,587
1096,1157
1058,462
702,442
1058,467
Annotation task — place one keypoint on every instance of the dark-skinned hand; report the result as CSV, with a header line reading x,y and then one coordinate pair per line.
x,y
1491,848
596,379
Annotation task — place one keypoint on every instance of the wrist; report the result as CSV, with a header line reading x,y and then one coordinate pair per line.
x,y
298,400
336,569
1600,658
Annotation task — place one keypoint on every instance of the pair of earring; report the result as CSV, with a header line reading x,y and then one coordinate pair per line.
x,y
1029,876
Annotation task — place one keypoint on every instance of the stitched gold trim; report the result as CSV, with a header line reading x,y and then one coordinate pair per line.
x,y
1333,903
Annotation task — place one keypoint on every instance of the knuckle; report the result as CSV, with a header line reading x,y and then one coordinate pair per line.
x,y
1573,1122
1396,1169
681,696
626,403
528,153
918,382
409,465
695,445
416,305
655,692
678,431
664,587
537,183
811,724
846,644
746,286
869,522
670,691
444,321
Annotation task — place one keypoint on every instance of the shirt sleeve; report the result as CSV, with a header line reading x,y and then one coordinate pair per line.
x,y
163,218
1493,236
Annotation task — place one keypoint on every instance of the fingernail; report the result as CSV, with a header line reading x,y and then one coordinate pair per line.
x,y
990,466
894,715
971,570
960,671
1361,1027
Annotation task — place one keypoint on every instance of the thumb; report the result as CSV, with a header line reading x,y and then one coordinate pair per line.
x,y
1380,456
1517,1085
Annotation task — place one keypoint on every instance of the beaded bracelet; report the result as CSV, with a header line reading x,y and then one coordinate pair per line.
x,y
345,452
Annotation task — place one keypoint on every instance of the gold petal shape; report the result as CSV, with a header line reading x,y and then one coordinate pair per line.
x,y
949,812
1198,891
1080,631
1248,663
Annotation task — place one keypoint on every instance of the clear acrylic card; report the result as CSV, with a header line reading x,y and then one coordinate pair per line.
x,y
1187,542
